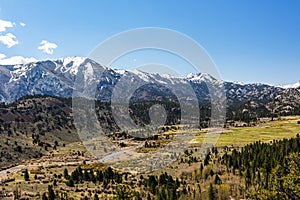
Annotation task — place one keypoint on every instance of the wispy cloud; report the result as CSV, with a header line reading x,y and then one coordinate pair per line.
x,y
9,40
22,24
15,60
47,47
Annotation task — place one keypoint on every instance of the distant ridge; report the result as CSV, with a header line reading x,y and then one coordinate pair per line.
x,y
57,77
294,85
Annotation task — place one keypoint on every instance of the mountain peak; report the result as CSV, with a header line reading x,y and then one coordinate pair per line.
x,y
70,63
76,59
293,85
198,77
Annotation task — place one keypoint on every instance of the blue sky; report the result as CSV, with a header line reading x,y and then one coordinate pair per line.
x,y
250,41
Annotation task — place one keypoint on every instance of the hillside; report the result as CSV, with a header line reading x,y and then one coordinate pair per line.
x,y
33,127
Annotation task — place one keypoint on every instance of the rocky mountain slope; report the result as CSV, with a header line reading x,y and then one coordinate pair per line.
x,y
57,78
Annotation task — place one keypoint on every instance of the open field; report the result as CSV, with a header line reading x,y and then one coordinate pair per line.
x,y
34,188
286,127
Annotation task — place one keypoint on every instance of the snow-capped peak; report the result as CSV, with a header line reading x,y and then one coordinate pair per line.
x,y
197,77
75,59
142,75
294,85
71,63
63,65
238,82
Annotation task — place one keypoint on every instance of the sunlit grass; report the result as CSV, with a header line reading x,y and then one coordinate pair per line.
x,y
287,127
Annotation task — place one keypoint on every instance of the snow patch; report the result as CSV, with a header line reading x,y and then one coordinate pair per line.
x,y
287,86
120,71
71,64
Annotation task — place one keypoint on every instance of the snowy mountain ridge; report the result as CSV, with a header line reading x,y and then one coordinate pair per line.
x,y
57,78
293,85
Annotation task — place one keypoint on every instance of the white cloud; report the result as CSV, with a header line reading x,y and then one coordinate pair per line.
x,y
15,60
2,56
22,24
9,40
47,47
5,24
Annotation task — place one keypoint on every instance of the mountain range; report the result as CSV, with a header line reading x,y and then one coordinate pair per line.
x,y
57,78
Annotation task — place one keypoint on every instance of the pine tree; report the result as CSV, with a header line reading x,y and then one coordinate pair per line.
x,y
211,192
44,197
201,168
70,183
96,197
17,193
206,160
217,179
51,194
26,175
66,174
247,178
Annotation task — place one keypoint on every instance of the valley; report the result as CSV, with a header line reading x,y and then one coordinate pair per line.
x,y
49,169
149,100
45,154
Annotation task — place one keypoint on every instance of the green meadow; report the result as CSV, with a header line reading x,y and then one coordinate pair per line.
x,y
286,127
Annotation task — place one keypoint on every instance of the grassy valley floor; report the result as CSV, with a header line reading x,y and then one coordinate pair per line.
x,y
191,176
